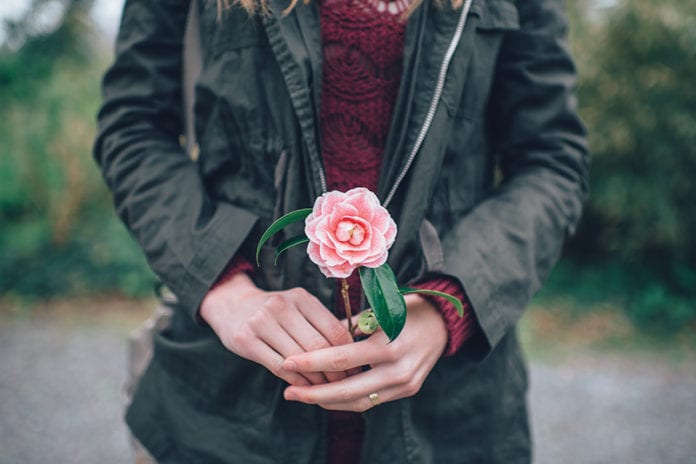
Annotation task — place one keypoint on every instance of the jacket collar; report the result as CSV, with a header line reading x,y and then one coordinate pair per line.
x,y
296,44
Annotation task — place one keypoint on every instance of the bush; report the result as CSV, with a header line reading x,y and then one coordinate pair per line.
x,y
638,99
58,231
637,95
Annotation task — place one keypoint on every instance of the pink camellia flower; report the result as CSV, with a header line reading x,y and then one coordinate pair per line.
x,y
348,230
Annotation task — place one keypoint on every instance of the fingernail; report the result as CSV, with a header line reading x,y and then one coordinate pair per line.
x,y
288,395
290,365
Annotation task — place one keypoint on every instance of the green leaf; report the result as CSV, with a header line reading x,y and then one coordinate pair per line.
x,y
387,302
452,299
289,243
278,225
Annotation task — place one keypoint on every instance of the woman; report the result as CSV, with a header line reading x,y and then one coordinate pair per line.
x,y
460,116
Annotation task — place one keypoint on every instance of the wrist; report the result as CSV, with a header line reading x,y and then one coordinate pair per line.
x,y
220,297
460,327
421,308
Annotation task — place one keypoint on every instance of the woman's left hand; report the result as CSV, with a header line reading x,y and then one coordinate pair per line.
x,y
398,369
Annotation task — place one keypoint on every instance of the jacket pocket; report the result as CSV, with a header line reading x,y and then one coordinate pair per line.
x,y
209,374
237,159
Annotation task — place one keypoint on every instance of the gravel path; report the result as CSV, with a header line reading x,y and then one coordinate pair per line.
x,y
59,402
614,409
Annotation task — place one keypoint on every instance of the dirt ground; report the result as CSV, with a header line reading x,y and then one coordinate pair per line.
x,y
596,395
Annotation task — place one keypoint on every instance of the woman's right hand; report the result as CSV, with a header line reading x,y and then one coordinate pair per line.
x,y
267,327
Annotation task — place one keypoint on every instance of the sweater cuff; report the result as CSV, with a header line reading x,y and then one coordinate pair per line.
x,y
459,328
237,265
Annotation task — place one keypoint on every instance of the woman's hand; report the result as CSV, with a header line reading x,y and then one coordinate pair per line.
x,y
398,369
266,327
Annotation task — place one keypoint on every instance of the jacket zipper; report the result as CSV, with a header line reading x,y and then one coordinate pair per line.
x,y
439,86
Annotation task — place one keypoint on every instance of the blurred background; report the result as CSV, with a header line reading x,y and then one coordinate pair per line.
x,y
611,338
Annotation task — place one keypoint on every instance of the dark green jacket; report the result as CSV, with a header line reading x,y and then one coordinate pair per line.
x,y
496,185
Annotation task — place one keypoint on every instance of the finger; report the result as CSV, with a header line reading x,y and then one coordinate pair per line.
x,y
321,318
352,392
364,403
356,333
373,350
307,338
273,335
271,360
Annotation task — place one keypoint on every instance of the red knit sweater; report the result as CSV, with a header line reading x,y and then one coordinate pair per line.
x,y
363,48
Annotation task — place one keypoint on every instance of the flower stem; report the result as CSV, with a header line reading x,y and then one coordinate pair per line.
x,y
346,303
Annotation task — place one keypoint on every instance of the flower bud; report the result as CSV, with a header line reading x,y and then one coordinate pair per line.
x,y
367,322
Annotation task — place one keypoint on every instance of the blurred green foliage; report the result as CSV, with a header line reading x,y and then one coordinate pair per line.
x,y
58,232
635,247
637,63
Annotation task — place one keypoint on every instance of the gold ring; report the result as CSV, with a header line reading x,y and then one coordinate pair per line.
x,y
374,398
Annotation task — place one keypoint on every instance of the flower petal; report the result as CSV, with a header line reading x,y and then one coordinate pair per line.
x,y
330,200
340,211
329,256
377,261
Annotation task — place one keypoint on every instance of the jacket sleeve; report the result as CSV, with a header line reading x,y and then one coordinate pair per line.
x,y
505,247
187,236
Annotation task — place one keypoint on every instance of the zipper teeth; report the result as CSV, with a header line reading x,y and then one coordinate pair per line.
x,y
434,102
322,180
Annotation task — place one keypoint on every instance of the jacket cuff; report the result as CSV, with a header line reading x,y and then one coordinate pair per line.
x,y
207,262
459,328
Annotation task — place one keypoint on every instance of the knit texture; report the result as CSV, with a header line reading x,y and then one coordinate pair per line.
x,y
362,65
